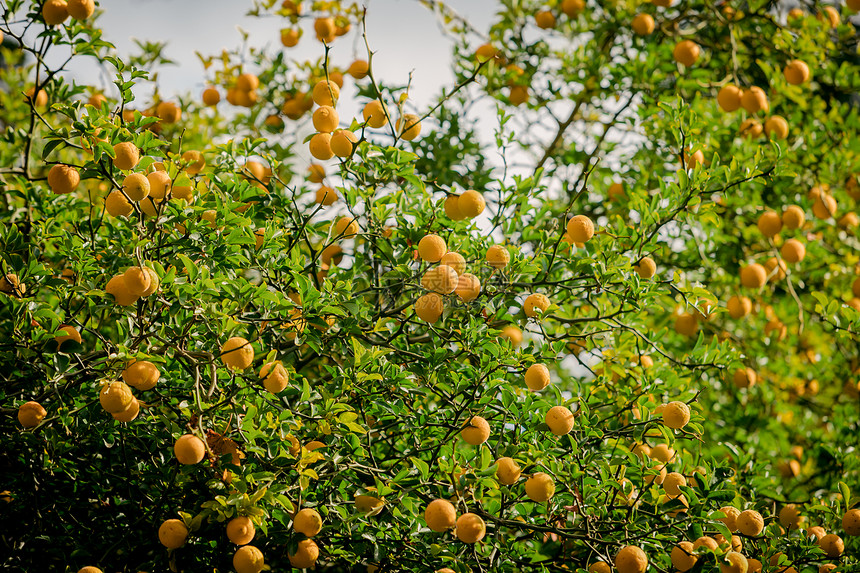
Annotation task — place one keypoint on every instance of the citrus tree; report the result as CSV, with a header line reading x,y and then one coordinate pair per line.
x,y
596,309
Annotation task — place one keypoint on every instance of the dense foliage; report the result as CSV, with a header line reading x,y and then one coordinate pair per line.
x,y
649,322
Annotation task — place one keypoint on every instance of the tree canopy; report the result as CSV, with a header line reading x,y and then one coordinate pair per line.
x,y
595,309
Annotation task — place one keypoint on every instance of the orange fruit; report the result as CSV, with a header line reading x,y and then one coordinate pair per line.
x,y
308,521
440,515
476,431
31,414
343,143
507,471
237,353
537,377
580,228
470,204
115,397
540,487
306,555
172,533
646,268
55,12
750,523
560,420
189,449
754,100
374,114
411,126
686,52
631,559
325,92
471,528
796,72
729,97
534,302
431,248
240,530
248,559
643,24
63,179
126,156
429,307
676,415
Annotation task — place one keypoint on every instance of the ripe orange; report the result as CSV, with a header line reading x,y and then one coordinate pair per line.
x,y
476,431
470,204
739,306
320,146
793,251
126,156
646,268
471,528
545,20
343,143
572,8
306,555
71,333
643,24
753,276
686,52
211,96
55,12
769,223
137,281
326,29
237,353
754,100
358,69
31,414
796,72
507,471
374,114
832,545
468,287
851,522
824,206
129,414
63,179
776,127
580,228
408,126
631,559
498,256
442,279
729,97
189,449
248,559
172,533
733,562
440,515
431,248
115,397
429,307
793,217
686,324
560,420
240,530
168,112
275,377
325,92
346,227
676,415
325,119
682,556
534,302
290,37
731,516
537,377
750,523
308,521
540,487
159,184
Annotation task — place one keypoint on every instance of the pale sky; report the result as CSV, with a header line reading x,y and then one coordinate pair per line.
x,y
404,34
